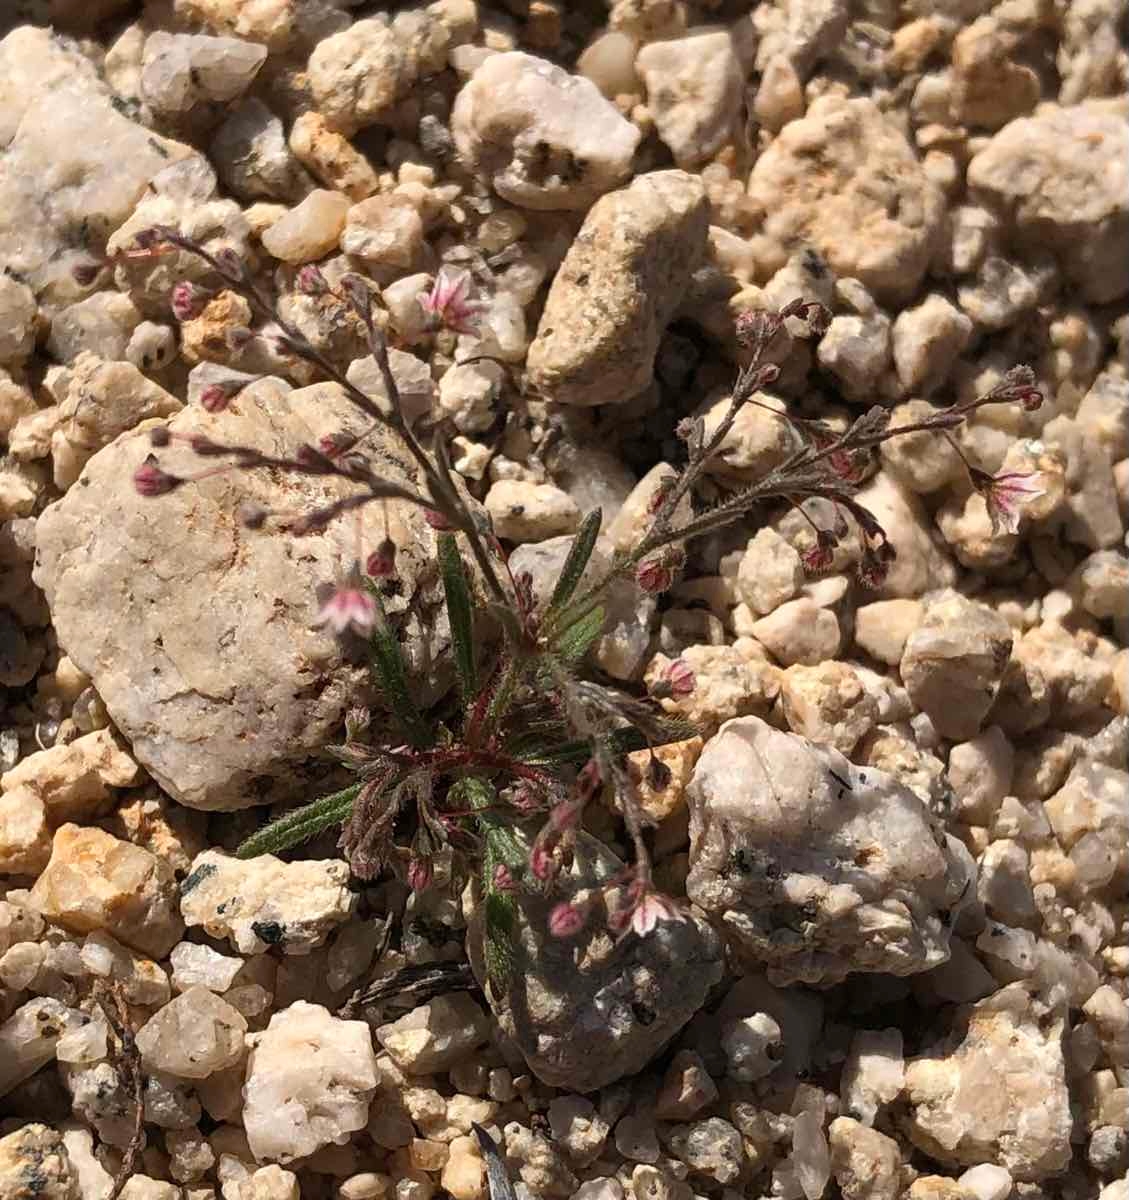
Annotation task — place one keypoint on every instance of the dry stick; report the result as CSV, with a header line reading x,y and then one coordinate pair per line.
x,y
129,1062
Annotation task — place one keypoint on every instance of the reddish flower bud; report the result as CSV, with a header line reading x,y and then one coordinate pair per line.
x,y
216,397
502,879
84,274
187,300
818,557
659,495
653,576
381,563
150,480
680,678
437,520
420,873
565,921
541,861
311,282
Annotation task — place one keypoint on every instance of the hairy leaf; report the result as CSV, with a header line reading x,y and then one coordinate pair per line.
x,y
573,642
300,825
578,555
391,675
460,613
619,741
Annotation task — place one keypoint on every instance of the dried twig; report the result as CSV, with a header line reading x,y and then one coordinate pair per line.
x,y
110,998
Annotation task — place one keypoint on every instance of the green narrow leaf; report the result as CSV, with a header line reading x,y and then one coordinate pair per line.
x,y
303,823
578,555
574,642
460,613
391,675
498,948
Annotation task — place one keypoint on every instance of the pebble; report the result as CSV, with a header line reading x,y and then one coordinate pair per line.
x,y
34,1163
866,1164
542,138
435,1036
193,1036
828,703
867,170
29,1036
252,157
762,804
728,682
856,352
181,70
1062,179
711,1147
998,1094
617,288
578,1128
883,628
873,1074
310,230
686,1089
261,902
530,512
331,158
799,631
953,663
752,1047
926,341
386,231
310,1077
695,87
95,881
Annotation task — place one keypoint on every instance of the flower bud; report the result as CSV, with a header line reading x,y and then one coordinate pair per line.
x,y
565,921
680,678
381,563
653,576
502,880
187,300
150,480
420,873
311,282
437,520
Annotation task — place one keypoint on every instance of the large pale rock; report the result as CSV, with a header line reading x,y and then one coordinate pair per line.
x,y
34,1163
587,1011
71,162
310,1078
94,881
1061,178
995,1091
844,179
544,139
198,633
619,285
181,70
814,866
263,901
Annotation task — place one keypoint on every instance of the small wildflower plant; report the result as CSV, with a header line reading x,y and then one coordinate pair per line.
x,y
499,773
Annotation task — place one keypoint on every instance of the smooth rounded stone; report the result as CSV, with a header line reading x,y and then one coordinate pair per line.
x,y
94,881
251,155
193,1036
73,779
261,902
832,179
883,628
59,123
359,75
987,1182
769,574
799,631
926,342
995,1091
544,139
310,1077
29,1036
310,230
181,70
435,1036
34,1163
18,312
530,512
980,772
619,285
386,231
102,323
1061,178
814,866
921,462
866,1164
609,61
695,89
1101,583
246,674
581,1025
954,662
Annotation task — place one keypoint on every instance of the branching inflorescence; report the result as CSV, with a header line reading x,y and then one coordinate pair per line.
x,y
528,742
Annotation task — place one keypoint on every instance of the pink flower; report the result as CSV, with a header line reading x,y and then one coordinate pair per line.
x,y
420,873
447,302
187,300
437,520
819,556
1005,495
350,607
381,563
565,920
541,861
680,678
650,909
150,480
